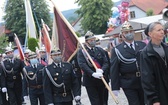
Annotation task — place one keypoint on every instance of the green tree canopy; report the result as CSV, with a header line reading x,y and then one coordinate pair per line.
x,y
3,43
149,12
95,14
15,18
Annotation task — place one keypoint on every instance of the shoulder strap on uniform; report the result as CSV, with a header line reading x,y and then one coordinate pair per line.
x,y
25,72
87,60
3,66
122,59
51,79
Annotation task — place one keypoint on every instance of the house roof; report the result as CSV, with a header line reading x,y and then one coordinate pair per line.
x,y
157,6
136,26
148,20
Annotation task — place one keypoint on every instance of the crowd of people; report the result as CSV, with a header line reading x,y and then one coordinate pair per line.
x,y
139,69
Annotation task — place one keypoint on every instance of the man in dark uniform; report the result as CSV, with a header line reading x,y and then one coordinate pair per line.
x,y
13,69
124,71
43,56
91,77
33,80
60,83
3,89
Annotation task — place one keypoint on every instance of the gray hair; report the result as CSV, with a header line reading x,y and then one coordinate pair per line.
x,y
152,26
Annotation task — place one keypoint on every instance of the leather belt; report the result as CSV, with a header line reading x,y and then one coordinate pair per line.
x,y
62,94
36,86
133,74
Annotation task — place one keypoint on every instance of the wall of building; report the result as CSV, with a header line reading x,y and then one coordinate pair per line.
x,y
138,12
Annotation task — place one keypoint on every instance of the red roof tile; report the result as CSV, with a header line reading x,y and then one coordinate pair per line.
x,y
156,5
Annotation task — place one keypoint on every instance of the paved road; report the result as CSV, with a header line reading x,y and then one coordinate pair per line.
x,y
85,100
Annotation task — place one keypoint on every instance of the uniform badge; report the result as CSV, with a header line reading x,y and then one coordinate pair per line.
x,y
54,66
55,79
30,73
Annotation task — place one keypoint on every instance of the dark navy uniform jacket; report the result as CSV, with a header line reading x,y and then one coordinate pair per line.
x,y
13,78
37,81
100,57
123,74
63,74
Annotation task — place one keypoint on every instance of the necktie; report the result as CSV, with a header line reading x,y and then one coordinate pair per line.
x,y
92,50
58,65
131,46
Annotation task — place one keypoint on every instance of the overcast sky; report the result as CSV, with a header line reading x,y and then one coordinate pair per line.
x,y
61,4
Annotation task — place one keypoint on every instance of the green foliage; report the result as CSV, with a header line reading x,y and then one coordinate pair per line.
x,y
32,44
15,18
95,14
149,12
78,34
3,43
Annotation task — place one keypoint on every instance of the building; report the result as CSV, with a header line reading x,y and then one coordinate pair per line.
x,y
138,8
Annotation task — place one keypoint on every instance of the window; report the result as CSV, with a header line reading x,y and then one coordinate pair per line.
x,y
132,14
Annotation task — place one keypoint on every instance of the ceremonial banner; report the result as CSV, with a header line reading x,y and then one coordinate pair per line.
x,y
46,37
67,41
30,24
19,47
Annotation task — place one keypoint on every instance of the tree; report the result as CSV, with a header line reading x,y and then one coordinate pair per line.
x,y
149,12
15,18
95,14
3,43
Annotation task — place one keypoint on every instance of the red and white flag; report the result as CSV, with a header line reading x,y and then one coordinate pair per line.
x,y
19,47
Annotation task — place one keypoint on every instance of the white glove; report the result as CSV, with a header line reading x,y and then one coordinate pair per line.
x,y
4,89
116,92
99,71
51,104
97,75
26,97
77,98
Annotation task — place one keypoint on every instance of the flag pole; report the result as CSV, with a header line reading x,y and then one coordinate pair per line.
x,y
102,78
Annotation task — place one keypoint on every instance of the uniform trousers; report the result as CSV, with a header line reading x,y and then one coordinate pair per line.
x,y
96,94
3,100
35,95
15,96
134,96
63,103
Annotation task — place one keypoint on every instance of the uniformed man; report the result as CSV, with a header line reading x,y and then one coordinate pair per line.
x,y
3,89
33,80
13,68
60,82
43,56
91,77
124,72
26,55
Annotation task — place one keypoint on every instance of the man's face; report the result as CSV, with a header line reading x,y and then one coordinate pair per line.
x,y
10,54
128,35
57,57
91,42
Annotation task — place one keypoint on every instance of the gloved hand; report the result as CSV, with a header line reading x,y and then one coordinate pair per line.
x,y
97,75
26,97
116,92
51,104
99,71
4,89
77,98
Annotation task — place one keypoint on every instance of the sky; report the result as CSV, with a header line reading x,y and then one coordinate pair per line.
x,y
61,5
